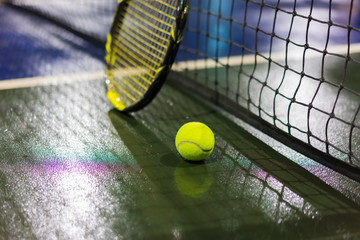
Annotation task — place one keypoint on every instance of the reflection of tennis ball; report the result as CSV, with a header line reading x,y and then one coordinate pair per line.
x,y
193,180
195,141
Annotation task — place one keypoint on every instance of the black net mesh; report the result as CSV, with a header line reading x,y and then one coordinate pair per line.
x,y
290,65
290,68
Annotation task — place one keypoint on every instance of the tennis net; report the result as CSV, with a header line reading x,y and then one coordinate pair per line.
x,y
290,68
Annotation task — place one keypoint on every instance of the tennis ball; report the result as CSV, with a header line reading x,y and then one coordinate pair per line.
x,y
195,141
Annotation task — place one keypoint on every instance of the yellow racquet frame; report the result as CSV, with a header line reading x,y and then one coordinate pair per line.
x,y
140,49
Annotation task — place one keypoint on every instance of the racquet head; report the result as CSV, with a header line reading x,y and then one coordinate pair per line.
x,y
141,47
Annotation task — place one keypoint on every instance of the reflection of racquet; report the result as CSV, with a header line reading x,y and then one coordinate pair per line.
x,y
141,48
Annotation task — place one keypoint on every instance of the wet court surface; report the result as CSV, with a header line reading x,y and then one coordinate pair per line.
x,y
71,167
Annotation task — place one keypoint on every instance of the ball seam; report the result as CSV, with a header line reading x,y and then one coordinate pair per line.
x,y
204,150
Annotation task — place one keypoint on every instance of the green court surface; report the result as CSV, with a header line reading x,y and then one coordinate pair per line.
x,y
72,167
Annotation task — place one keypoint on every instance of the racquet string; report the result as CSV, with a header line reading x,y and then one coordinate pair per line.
x,y
140,38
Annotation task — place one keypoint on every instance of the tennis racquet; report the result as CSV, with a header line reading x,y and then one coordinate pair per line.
x,y
141,47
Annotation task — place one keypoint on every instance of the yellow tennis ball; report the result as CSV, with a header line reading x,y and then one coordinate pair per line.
x,y
195,141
